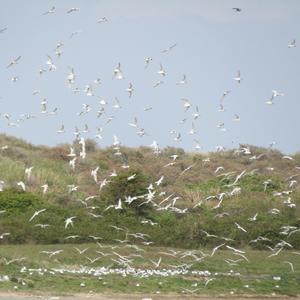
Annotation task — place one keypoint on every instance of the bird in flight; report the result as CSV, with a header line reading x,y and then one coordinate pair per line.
x,y
36,213
3,29
237,78
50,11
292,44
13,62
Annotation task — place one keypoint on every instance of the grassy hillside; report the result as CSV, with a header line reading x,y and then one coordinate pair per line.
x,y
198,193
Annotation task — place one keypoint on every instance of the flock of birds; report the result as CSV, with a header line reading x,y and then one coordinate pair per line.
x,y
155,197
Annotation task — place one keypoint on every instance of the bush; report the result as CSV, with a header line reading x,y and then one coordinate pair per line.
x,y
120,187
16,201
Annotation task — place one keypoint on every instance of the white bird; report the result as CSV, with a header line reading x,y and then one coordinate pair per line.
x,y
208,281
182,81
238,77
117,73
50,64
131,177
3,29
292,44
276,93
50,11
290,264
22,185
119,205
117,103
186,104
13,62
208,235
276,253
14,78
102,20
72,9
169,48
236,118
42,225
196,115
220,168
162,71
36,213
72,163
69,221
130,89
148,60
134,124
4,235
71,77
156,264
160,180
216,248
252,219
187,169
159,82
81,251
235,250
240,227
94,174
28,172
270,101
72,152
52,253
1,185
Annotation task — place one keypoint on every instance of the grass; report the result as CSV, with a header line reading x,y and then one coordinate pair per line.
x,y
172,229
255,277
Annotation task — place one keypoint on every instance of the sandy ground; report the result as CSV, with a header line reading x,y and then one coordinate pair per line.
x,y
17,296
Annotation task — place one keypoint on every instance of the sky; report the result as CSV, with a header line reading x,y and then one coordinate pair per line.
x,y
213,42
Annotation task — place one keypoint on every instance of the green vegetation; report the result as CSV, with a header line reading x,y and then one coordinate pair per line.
x,y
256,277
51,166
197,201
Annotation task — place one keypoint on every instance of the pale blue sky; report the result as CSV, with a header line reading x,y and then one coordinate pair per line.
x,y
213,42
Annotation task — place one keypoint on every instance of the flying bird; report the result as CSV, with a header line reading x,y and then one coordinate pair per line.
x,y
36,213
13,62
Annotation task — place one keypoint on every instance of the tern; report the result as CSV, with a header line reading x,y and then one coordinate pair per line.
x,y
36,213
3,29
162,71
102,20
69,221
73,9
13,62
117,73
182,81
130,89
50,11
292,44
238,77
